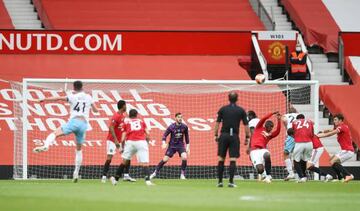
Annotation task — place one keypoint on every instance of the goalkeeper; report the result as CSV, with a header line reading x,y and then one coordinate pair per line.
x,y
176,144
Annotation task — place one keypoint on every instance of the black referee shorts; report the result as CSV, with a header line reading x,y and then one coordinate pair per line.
x,y
231,143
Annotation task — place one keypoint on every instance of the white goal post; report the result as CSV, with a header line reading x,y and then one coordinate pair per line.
x,y
157,101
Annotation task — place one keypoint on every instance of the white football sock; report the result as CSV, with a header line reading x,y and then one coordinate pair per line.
x,y
289,166
49,140
78,161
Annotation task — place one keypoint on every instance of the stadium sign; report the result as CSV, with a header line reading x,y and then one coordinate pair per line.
x,y
64,42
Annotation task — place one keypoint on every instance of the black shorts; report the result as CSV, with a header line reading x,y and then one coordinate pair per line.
x,y
231,143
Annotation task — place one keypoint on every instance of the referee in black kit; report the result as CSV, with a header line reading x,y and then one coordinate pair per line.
x,y
230,116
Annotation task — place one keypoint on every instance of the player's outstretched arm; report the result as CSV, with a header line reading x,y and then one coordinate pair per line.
x,y
187,140
52,99
328,134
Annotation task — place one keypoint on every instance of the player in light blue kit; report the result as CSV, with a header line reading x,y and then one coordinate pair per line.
x,y
289,142
80,105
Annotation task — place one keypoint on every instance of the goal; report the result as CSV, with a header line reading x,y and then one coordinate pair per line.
x,y
157,101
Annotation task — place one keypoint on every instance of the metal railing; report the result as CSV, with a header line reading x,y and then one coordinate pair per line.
x,y
265,17
309,63
341,55
260,56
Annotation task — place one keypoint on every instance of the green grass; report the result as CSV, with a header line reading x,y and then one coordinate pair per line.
x,y
199,195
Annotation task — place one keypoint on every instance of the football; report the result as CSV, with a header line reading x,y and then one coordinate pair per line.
x,y
260,78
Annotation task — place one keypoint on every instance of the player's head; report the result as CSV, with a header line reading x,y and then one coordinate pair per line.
x,y
269,125
78,85
233,97
133,113
292,110
290,132
251,115
338,118
121,105
298,47
300,116
178,117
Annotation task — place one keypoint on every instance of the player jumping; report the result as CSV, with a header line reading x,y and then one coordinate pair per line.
x,y
289,142
259,155
176,144
80,104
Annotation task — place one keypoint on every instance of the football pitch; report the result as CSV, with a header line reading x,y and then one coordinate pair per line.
x,y
184,195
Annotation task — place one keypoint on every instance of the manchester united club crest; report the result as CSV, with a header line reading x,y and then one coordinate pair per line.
x,y
276,50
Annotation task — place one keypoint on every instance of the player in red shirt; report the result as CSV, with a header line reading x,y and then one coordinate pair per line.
x,y
347,149
137,139
259,155
303,136
317,151
116,130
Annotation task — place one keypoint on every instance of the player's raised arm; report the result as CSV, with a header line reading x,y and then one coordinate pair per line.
x,y
278,127
262,120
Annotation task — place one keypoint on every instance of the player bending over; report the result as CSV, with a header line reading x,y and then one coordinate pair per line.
x,y
176,144
289,142
137,140
80,104
317,151
259,155
116,129
347,149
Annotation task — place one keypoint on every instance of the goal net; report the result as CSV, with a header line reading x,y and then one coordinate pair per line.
x,y
157,101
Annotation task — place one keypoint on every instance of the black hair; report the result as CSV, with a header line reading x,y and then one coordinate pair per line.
x,y
233,97
133,113
120,104
290,132
339,116
269,123
251,114
177,114
300,116
78,85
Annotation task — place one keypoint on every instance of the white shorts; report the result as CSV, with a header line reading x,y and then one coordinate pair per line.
x,y
345,155
316,154
140,148
110,148
257,156
302,151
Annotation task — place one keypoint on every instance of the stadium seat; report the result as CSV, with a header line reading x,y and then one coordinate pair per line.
x,y
148,15
5,21
315,22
